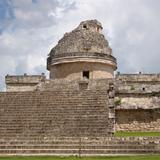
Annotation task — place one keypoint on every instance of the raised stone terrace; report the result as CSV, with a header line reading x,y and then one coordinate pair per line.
x,y
139,77
60,120
18,83
70,113
138,102
138,83
138,91
51,120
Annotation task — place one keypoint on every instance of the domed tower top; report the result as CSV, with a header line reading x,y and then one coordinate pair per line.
x,y
85,43
86,37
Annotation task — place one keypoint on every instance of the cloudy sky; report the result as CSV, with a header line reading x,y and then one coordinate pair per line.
x,y
30,28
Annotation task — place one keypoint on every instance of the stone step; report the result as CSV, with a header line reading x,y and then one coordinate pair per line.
x,y
6,143
76,141
77,151
74,146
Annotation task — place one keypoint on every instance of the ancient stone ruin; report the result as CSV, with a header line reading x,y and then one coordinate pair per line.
x,y
84,52
77,110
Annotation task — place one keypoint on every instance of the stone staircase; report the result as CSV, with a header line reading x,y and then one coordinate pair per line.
x,y
54,113
81,146
64,123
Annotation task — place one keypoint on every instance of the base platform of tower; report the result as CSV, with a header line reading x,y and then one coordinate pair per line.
x,y
62,118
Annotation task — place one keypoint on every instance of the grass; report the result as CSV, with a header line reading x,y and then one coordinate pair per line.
x,y
137,134
141,157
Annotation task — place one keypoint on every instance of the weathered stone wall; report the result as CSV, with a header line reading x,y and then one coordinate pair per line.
x,y
138,120
23,82
138,83
72,71
20,87
138,102
138,77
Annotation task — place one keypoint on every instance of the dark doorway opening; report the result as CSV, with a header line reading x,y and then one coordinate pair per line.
x,y
86,74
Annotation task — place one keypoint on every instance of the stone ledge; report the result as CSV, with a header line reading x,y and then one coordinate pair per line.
x,y
24,79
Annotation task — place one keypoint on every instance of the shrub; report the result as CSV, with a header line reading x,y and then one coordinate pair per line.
x,y
117,101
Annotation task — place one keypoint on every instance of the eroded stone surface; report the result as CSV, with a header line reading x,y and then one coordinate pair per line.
x,y
138,102
83,49
85,38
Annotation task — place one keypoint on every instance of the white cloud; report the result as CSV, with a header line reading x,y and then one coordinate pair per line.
x,y
28,39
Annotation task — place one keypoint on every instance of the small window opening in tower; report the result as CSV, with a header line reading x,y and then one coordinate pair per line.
x,y
143,89
85,26
86,74
98,29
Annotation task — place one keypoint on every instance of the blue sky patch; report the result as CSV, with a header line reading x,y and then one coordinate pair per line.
x,y
6,13
34,1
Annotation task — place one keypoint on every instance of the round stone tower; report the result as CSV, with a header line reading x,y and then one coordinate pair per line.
x,y
82,53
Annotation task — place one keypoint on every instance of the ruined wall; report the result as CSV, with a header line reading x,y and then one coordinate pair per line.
x,y
138,120
23,82
138,102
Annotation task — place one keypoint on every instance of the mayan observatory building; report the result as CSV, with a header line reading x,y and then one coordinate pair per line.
x,y
83,104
